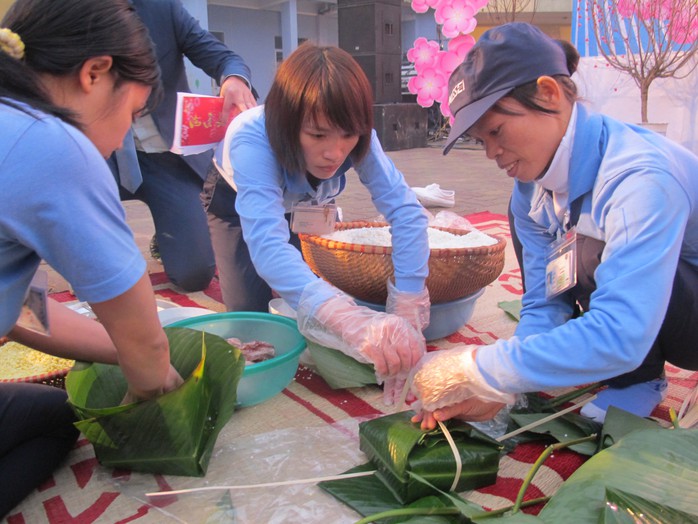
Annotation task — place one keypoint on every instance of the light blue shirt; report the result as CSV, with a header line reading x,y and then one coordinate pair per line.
x,y
59,203
265,191
640,197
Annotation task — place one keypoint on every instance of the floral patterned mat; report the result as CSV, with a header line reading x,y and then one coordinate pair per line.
x,y
307,431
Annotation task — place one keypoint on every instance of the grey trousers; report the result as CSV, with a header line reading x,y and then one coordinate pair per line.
x,y
241,287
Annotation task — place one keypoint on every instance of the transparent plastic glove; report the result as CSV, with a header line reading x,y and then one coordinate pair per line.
x,y
387,341
451,376
413,307
392,388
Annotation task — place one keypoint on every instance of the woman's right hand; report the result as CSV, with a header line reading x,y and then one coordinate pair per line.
x,y
389,342
172,382
142,347
448,383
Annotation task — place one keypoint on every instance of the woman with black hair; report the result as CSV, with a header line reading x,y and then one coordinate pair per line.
x,y
73,75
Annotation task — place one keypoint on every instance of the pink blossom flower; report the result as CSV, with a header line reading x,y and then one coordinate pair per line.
x,y
423,54
461,45
432,66
683,31
626,8
445,110
456,17
422,6
429,85
448,61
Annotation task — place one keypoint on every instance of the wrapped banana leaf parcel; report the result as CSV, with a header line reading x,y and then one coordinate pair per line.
x,y
174,433
397,447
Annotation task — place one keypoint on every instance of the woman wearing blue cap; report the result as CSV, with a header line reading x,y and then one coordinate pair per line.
x,y
606,215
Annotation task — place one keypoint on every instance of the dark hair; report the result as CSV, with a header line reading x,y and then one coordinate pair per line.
x,y
571,54
317,82
526,93
60,35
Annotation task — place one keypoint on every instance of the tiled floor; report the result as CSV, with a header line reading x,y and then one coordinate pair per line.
x,y
478,184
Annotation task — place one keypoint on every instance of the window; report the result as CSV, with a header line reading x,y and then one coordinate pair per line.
x,y
279,48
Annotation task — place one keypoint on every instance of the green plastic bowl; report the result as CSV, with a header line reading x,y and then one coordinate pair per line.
x,y
262,380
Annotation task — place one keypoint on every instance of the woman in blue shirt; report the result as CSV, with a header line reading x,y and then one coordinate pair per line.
x,y
73,75
606,214
316,124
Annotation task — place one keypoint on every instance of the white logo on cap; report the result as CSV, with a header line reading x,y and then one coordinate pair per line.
x,y
457,89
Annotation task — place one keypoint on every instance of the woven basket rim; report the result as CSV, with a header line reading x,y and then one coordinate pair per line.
x,y
387,250
51,375
41,377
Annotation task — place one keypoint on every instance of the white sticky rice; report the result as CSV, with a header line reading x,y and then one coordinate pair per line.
x,y
380,236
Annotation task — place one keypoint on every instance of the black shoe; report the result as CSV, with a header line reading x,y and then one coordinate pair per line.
x,y
154,251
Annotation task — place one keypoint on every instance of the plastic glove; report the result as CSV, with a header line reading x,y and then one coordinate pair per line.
x,y
448,377
387,341
393,388
413,307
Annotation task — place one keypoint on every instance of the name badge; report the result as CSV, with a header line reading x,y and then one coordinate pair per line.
x,y
34,313
561,265
313,219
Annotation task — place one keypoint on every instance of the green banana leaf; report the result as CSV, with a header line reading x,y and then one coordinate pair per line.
x,y
511,308
365,495
619,423
649,470
174,433
370,495
397,446
658,466
339,370
624,508
566,428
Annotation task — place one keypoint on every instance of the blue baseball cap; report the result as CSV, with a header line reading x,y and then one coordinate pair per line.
x,y
504,57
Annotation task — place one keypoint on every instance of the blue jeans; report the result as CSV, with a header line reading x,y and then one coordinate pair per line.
x,y
171,189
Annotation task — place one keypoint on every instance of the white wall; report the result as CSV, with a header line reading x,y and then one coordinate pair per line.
x,y
199,82
421,24
250,33
671,100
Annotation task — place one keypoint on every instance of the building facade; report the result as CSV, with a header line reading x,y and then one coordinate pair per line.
x,y
264,31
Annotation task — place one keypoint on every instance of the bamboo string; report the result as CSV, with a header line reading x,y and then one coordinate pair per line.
x,y
403,396
265,485
456,455
544,419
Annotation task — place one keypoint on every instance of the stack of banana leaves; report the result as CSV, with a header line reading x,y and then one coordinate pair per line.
x,y
638,472
174,433
339,370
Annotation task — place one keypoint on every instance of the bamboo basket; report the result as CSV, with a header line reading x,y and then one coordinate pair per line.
x,y
362,271
52,377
